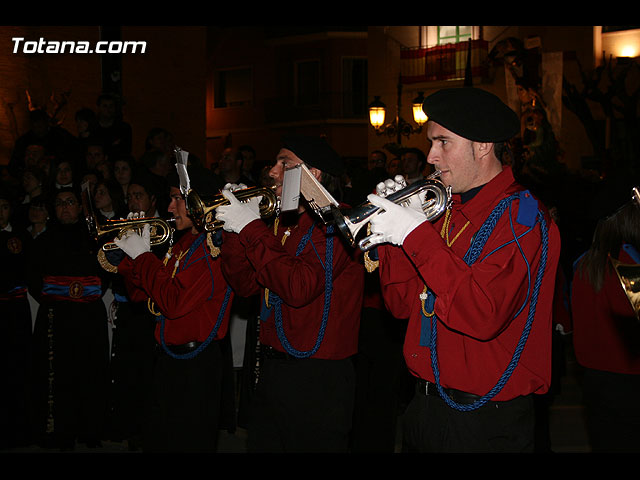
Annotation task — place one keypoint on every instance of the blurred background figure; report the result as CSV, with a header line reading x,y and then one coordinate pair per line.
x,y
15,329
606,334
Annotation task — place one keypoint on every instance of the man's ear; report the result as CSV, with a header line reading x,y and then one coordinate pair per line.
x,y
483,148
316,173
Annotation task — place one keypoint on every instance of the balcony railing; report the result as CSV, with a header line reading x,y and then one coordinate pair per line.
x,y
443,62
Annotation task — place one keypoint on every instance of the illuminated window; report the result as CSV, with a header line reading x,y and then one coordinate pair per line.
x,y
453,34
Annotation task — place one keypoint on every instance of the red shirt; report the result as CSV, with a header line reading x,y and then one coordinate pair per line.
x,y
190,300
476,305
606,332
256,259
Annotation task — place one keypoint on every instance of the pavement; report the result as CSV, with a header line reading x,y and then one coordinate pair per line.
x,y
566,426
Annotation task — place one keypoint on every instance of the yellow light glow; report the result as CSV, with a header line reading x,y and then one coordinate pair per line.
x,y
376,116
418,114
628,51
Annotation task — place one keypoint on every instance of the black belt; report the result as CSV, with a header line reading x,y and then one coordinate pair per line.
x,y
180,349
430,389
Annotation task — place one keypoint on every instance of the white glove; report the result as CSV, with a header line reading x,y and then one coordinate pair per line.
x,y
237,214
389,186
134,244
394,223
132,215
232,187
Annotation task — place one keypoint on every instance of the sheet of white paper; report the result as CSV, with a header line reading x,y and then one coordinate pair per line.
x,y
290,197
181,167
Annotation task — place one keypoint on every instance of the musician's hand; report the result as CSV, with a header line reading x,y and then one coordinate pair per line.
x,y
233,187
391,185
237,214
134,215
135,244
394,223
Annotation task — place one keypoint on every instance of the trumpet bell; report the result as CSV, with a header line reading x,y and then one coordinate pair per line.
x,y
160,230
629,276
437,198
202,209
108,231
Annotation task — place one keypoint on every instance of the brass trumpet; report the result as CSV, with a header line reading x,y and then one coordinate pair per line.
x,y
202,209
160,233
629,276
160,230
350,222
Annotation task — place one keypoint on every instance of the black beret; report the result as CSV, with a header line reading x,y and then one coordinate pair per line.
x,y
316,152
202,180
472,113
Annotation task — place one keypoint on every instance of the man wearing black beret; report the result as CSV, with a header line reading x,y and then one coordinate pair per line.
x,y
476,285
311,289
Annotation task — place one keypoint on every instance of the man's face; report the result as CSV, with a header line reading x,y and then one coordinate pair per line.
x,y
34,155
67,208
228,161
107,109
375,160
178,209
455,157
95,156
122,172
410,164
64,173
138,200
101,197
285,159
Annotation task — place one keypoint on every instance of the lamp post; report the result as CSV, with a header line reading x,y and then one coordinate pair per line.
x,y
398,127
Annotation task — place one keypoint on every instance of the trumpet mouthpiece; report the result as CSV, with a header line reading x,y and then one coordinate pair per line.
x,y
435,174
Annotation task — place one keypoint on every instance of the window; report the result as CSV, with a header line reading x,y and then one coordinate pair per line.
x,y
454,34
233,88
354,87
307,81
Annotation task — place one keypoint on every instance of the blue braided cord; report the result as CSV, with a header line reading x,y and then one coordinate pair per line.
x,y
328,287
470,257
198,243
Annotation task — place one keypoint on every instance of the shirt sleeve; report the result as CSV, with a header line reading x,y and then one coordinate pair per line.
x,y
297,280
175,296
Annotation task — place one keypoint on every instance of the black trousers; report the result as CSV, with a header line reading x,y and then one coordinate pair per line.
x,y
430,425
302,405
70,372
611,411
184,412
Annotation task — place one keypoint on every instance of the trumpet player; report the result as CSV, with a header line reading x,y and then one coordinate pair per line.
x,y
476,285
191,300
311,291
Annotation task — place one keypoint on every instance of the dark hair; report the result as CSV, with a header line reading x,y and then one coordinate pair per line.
x,y
151,157
247,148
609,235
115,192
422,158
155,131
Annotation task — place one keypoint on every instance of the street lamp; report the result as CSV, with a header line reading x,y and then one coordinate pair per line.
x,y
398,127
